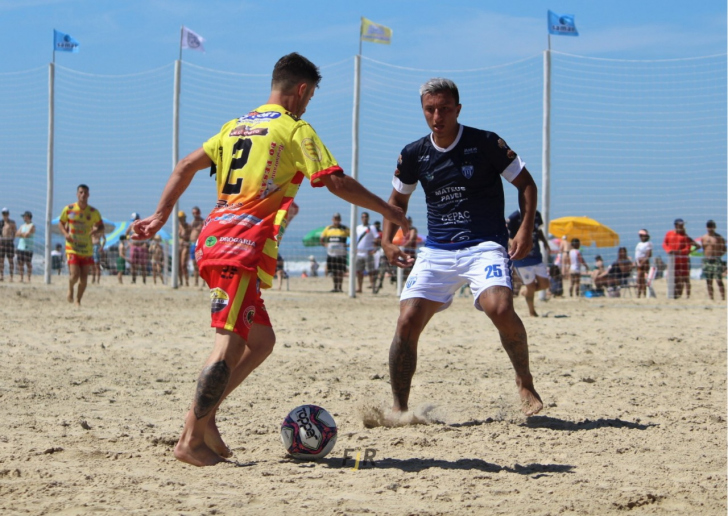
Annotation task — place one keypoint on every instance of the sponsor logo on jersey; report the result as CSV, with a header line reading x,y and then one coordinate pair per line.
x,y
246,130
310,150
471,150
248,316
511,154
467,171
210,241
267,185
256,117
396,172
218,300
399,160
421,159
244,219
502,144
456,217
235,240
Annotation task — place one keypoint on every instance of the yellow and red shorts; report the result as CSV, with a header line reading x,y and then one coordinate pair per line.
x,y
81,261
235,302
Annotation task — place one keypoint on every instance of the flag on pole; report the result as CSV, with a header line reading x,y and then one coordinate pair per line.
x,y
562,24
375,33
63,42
192,40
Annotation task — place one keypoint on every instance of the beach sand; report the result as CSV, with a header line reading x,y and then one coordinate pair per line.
x,y
93,401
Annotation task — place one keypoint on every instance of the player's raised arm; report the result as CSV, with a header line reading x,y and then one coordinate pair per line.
x,y
352,191
527,199
176,185
394,254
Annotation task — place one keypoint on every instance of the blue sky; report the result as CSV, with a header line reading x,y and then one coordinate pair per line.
x,y
246,36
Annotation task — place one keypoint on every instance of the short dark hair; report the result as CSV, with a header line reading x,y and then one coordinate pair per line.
x,y
439,85
710,224
292,69
85,187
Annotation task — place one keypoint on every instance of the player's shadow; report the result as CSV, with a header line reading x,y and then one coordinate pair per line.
x,y
417,465
571,426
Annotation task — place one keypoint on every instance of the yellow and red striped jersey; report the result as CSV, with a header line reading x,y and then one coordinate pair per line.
x,y
80,224
260,160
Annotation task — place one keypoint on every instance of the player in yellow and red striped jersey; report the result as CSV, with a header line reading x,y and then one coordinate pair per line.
x,y
78,223
260,159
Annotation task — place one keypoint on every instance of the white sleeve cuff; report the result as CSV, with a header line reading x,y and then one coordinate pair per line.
x,y
511,172
403,188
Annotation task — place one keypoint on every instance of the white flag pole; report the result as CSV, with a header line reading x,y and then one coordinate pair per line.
x,y
49,173
354,173
175,158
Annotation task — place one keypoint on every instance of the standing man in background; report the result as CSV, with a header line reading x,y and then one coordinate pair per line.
x,y
25,235
642,255
334,238
713,248
78,223
7,242
531,269
195,230
367,242
678,244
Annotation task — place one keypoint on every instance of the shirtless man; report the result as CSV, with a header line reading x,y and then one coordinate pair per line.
x,y
8,229
713,248
185,230
195,229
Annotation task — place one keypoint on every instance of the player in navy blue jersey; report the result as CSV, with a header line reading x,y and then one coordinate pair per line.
x,y
533,272
460,170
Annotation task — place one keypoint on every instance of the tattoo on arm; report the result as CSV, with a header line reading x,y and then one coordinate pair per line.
x,y
210,386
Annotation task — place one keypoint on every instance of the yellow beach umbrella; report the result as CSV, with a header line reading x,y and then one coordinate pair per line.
x,y
587,230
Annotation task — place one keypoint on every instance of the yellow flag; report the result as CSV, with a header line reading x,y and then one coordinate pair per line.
x,y
375,33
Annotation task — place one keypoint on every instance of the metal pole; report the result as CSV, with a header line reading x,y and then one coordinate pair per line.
x,y
49,173
546,152
175,158
355,175
546,155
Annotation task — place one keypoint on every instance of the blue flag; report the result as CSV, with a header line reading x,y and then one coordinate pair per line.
x,y
562,24
63,42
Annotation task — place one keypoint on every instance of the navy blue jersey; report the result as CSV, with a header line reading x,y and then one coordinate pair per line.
x,y
514,223
462,184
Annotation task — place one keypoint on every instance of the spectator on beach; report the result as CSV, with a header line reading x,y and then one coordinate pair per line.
x,y
556,281
598,269
367,242
280,270
121,259
157,254
661,267
138,252
184,232
576,261
642,255
333,238
25,235
714,247
617,273
313,266
678,244
57,259
98,242
196,225
78,222
8,229
562,259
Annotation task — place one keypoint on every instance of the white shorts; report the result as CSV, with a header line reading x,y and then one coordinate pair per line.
x,y
528,274
438,274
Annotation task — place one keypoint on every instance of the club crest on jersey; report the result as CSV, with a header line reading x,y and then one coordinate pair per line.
x,y
467,171
502,144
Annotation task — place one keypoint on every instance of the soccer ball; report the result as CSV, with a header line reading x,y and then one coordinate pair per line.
x,y
308,432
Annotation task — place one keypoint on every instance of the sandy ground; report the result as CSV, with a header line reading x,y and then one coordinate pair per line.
x,y
93,400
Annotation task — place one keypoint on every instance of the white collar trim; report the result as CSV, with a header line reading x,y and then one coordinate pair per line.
x,y
452,145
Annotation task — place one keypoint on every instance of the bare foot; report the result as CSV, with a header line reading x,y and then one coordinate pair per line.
x,y
196,454
533,313
213,439
530,401
69,297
